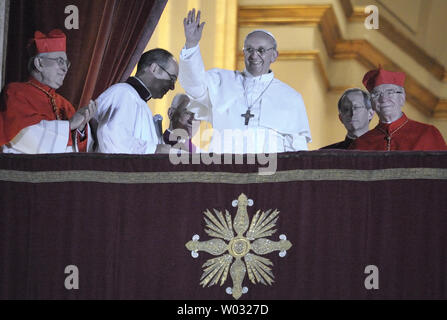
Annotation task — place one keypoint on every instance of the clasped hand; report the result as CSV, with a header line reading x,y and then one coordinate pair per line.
x,y
83,116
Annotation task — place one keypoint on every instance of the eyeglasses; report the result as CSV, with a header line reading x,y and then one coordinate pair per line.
x,y
172,77
375,95
60,61
349,112
260,51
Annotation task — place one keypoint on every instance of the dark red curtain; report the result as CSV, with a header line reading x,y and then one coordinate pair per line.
x,y
124,222
111,37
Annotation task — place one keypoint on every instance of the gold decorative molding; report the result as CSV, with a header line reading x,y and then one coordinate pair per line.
x,y
441,110
280,15
361,50
309,15
307,55
387,29
293,55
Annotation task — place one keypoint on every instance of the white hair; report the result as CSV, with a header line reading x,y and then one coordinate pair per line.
x,y
179,99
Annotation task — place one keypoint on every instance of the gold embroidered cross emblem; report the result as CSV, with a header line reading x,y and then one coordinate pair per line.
x,y
245,248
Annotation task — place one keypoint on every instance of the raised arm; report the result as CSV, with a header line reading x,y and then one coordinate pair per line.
x,y
193,29
192,75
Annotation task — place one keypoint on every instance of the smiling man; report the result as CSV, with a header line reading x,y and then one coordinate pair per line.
x,y
250,111
124,120
395,131
33,117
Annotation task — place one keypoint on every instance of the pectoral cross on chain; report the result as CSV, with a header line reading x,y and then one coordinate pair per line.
x,y
247,115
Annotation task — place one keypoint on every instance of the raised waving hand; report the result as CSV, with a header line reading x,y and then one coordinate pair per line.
x,y
193,28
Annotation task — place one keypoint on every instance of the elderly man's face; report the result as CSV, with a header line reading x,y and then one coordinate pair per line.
x,y
182,118
387,101
164,80
353,114
53,68
259,53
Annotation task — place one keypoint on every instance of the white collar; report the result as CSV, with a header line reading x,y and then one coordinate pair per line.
x,y
263,77
142,83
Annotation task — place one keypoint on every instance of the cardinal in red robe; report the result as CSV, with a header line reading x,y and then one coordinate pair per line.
x,y
33,117
395,130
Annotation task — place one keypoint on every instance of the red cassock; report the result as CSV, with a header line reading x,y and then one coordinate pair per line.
x,y
402,134
25,104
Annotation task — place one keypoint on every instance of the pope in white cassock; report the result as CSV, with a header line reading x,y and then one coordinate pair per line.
x,y
250,111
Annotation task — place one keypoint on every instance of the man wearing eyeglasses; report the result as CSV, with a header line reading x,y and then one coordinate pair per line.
x,y
124,121
395,130
355,112
256,111
33,117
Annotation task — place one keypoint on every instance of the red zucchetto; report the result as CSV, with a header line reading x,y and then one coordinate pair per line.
x,y
51,42
380,76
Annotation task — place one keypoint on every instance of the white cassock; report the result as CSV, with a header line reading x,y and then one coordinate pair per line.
x,y
220,96
125,123
47,136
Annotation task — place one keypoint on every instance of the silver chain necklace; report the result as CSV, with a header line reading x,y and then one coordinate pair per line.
x,y
247,115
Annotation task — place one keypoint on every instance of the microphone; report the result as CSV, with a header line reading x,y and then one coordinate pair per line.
x,y
158,125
